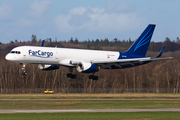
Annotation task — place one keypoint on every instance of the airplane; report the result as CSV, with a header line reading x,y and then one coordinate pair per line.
x,y
85,61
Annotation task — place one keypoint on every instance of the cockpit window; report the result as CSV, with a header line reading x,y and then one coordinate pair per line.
x,y
12,52
15,52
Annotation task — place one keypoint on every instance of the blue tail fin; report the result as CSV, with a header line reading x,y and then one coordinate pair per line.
x,y
42,44
141,45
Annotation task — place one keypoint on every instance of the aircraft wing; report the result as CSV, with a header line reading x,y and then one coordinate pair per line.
x,y
120,62
123,62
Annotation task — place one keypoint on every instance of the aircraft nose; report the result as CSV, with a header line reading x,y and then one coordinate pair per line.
x,y
8,57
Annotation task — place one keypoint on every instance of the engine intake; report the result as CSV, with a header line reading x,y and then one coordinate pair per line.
x,y
48,67
87,68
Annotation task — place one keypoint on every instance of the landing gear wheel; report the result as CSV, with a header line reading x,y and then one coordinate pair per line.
x,y
74,76
69,75
24,73
93,77
90,76
96,78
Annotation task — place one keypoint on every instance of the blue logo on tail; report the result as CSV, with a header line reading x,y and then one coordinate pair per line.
x,y
142,43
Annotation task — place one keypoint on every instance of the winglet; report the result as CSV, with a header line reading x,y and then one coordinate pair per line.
x,y
42,44
159,55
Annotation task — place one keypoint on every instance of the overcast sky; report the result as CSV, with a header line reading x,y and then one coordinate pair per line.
x,y
88,19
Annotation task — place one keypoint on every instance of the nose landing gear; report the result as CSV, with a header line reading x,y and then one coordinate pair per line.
x,y
24,69
24,73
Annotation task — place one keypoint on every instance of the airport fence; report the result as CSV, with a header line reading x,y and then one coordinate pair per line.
x,y
90,90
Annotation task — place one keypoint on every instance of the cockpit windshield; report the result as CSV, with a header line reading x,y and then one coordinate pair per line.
x,y
15,52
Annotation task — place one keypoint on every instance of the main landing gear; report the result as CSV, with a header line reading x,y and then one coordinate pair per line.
x,y
93,77
24,69
70,75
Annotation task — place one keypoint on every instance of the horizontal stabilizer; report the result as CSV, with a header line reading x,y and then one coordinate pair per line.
x,y
152,59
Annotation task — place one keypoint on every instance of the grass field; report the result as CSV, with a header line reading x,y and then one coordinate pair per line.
x,y
93,116
75,104
88,104
91,96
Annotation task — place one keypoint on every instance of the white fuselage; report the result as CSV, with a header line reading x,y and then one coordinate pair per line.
x,y
58,56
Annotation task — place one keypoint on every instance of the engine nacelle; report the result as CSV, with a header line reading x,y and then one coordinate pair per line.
x,y
48,67
87,68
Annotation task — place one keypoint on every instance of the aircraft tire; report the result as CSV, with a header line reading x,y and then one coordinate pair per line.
x,y
74,77
68,75
24,73
93,77
96,78
90,76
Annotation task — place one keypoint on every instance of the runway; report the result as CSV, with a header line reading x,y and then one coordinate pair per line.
x,y
92,110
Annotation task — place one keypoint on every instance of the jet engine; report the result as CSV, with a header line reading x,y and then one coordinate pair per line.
x,y
48,67
87,68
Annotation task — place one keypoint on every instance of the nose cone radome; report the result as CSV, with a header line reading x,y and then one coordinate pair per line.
x,y
8,57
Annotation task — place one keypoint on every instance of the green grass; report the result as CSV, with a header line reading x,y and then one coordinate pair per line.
x,y
88,104
93,116
91,96
75,104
